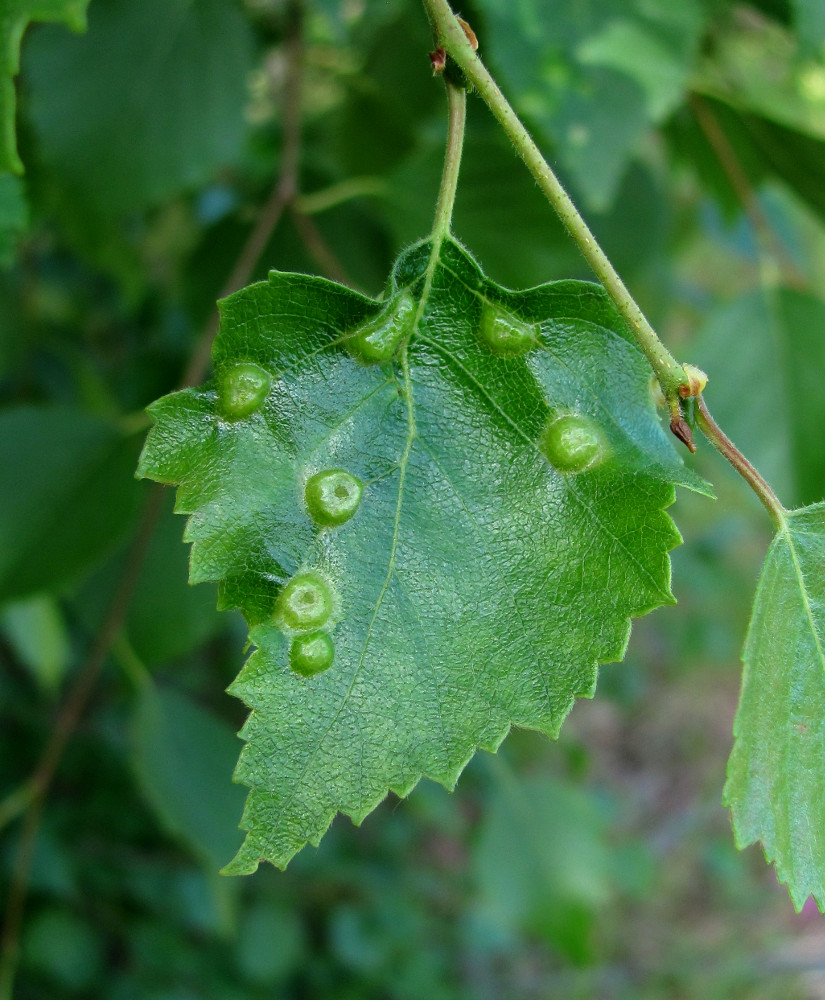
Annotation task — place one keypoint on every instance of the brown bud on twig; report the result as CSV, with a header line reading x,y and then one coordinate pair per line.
x,y
468,31
438,60
682,431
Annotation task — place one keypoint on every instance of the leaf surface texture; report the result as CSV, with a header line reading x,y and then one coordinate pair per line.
x,y
477,586
774,787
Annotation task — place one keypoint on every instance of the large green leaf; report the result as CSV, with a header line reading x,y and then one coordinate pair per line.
x,y
774,787
15,15
514,478
156,100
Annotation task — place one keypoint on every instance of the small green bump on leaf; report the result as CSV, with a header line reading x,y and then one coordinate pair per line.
x,y
305,602
573,443
378,340
332,496
311,654
243,388
503,333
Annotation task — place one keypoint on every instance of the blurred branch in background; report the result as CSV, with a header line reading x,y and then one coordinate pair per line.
x,y
774,254
32,795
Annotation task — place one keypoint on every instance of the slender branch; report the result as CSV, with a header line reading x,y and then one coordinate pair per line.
x,y
452,37
457,115
16,802
338,194
723,444
457,106
317,247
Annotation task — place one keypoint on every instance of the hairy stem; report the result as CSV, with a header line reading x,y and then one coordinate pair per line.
x,y
451,36
723,444
457,114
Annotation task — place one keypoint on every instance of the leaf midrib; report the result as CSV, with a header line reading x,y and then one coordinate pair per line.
x,y
411,434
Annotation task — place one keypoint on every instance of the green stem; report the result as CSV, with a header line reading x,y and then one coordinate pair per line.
x,y
338,194
457,113
449,34
723,444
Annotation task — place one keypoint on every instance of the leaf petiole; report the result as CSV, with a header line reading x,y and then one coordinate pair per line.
x,y
457,114
452,37
723,444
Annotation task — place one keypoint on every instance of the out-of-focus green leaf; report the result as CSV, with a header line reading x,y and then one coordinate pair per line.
x,y
775,787
755,68
167,618
271,943
593,77
183,756
516,233
760,147
14,215
15,15
455,404
67,496
656,50
388,100
155,104
809,23
766,353
798,159
37,632
542,863
61,946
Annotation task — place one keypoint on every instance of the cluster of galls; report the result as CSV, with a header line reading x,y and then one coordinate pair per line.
x,y
332,496
571,442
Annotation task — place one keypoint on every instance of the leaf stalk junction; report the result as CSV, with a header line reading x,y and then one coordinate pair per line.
x,y
454,41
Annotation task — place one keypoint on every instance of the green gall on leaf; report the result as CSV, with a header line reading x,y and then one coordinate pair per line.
x,y
242,390
377,340
332,496
573,443
420,678
505,334
305,603
311,654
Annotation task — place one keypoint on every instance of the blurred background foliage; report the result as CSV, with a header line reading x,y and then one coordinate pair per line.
x,y
181,145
